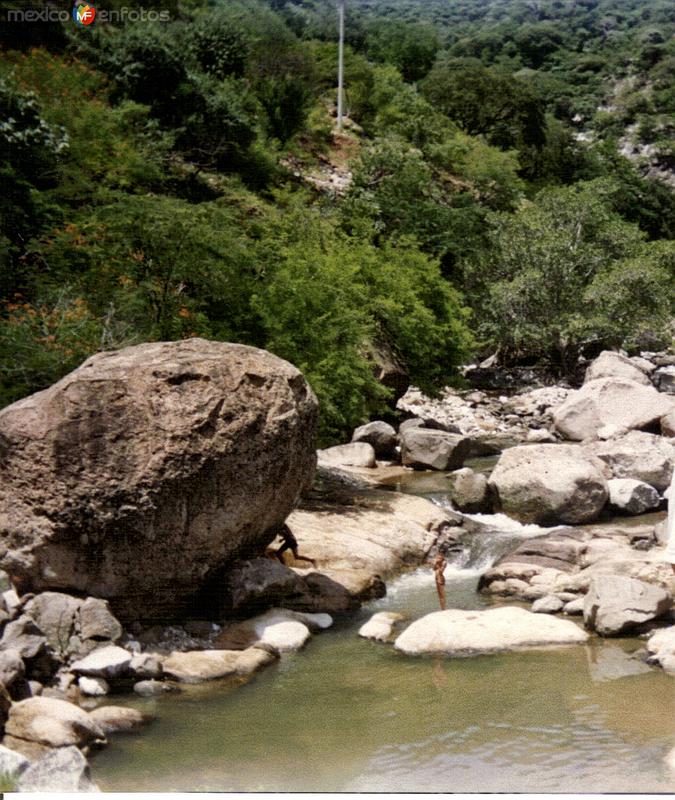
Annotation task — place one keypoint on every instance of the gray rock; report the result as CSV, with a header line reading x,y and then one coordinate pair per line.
x,y
615,604
24,636
62,770
637,455
96,621
574,607
664,379
613,365
610,401
422,448
12,764
146,665
381,436
548,484
55,614
409,424
93,687
11,667
549,604
52,722
469,491
632,497
357,454
109,473
110,661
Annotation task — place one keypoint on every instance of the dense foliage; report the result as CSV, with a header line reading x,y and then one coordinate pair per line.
x,y
503,182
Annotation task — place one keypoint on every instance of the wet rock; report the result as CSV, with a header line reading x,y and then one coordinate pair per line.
x,y
613,365
607,663
205,665
469,491
93,687
106,662
51,722
549,604
119,719
615,604
381,436
610,401
632,497
152,688
548,484
639,456
143,440
457,632
380,626
62,770
358,454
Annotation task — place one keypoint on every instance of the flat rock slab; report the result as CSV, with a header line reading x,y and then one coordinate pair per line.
x,y
106,662
206,665
459,633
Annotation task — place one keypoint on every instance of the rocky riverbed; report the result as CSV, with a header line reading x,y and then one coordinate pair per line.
x,y
569,459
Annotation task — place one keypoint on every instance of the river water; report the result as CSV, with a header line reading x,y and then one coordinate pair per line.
x,y
347,714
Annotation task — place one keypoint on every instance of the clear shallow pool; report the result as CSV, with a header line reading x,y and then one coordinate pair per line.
x,y
351,715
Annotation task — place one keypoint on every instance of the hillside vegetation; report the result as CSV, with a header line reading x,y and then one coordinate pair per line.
x,y
185,178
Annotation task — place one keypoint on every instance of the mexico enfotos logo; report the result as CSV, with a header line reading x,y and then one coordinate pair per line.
x,y
83,14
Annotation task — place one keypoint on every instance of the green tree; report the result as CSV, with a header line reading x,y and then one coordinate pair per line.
x,y
566,269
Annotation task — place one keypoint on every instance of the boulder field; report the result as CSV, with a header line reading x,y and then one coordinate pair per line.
x,y
142,474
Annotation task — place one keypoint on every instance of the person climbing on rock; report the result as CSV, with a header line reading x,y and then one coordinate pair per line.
x,y
439,566
289,542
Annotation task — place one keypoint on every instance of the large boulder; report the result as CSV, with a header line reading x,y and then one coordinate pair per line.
x,y
51,722
615,604
613,365
549,483
619,402
632,497
193,447
457,633
469,491
62,770
381,436
423,448
637,455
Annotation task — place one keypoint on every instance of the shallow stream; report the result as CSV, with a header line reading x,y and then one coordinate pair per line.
x,y
347,714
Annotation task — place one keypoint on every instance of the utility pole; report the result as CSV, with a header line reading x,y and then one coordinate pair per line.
x,y
341,62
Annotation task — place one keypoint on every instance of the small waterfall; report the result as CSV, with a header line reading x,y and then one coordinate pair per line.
x,y
486,538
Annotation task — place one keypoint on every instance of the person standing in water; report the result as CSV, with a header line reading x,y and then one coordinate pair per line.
x,y
439,566
670,525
